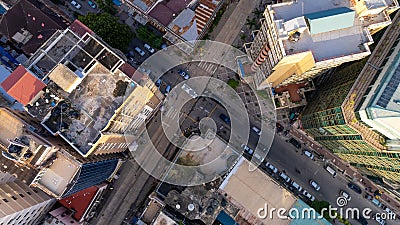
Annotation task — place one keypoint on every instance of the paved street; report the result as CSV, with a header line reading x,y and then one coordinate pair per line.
x,y
284,156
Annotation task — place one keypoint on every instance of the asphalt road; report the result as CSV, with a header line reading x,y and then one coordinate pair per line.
x,y
284,156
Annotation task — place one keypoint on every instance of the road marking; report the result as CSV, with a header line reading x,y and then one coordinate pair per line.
x,y
212,111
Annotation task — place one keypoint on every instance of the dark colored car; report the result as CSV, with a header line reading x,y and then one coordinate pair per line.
x,y
279,127
354,187
362,220
225,118
295,143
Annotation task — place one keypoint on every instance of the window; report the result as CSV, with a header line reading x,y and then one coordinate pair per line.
x,y
13,197
21,195
5,200
29,193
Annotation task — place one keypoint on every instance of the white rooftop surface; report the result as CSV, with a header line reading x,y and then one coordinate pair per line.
x,y
58,176
372,4
291,10
329,44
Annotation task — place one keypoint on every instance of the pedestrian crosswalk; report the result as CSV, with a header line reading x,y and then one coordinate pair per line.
x,y
209,67
172,113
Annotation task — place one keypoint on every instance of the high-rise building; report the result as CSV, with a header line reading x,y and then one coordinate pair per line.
x,y
355,114
21,204
299,39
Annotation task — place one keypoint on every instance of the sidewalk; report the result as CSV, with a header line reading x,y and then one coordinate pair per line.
x,y
349,171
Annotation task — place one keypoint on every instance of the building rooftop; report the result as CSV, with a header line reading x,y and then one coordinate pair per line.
x,y
22,85
306,25
165,11
80,201
58,175
251,190
28,25
301,206
84,87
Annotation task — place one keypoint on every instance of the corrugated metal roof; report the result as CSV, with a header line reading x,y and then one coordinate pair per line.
x,y
329,20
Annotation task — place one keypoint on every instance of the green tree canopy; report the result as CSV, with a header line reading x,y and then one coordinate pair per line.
x,y
116,34
148,36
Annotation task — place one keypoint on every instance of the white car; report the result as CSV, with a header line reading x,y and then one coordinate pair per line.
x,y
149,48
271,167
345,195
75,4
308,154
285,177
247,149
379,219
308,195
140,51
296,186
256,130
315,185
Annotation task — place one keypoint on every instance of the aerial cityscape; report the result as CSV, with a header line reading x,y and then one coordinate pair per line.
x,y
200,112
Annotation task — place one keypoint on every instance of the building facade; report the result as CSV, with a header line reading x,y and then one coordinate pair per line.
x,y
299,39
355,113
21,204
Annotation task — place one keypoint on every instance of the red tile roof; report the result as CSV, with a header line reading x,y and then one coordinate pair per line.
x,y
80,201
22,85
203,14
293,90
79,28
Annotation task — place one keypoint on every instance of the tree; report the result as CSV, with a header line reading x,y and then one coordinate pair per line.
x,y
251,23
146,35
113,32
233,83
319,205
258,13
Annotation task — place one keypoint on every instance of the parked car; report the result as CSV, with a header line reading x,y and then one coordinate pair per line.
x,y
331,171
308,195
315,185
362,220
345,195
167,89
140,51
285,177
75,4
184,74
158,82
256,130
271,167
247,149
92,4
296,186
379,219
308,154
225,118
354,187
150,49
295,143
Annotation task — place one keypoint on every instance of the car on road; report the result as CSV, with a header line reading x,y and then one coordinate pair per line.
x,y
158,83
271,167
331,171
296,186
167,89
295,143
308,195
256,130
149,48
308,154
139,51
75,4
315,185
354,187
225,118
92,4
345,195
285,177
362,220
379,219
184,74
247,149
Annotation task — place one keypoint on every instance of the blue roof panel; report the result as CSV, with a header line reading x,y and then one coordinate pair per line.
x,y
329,20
